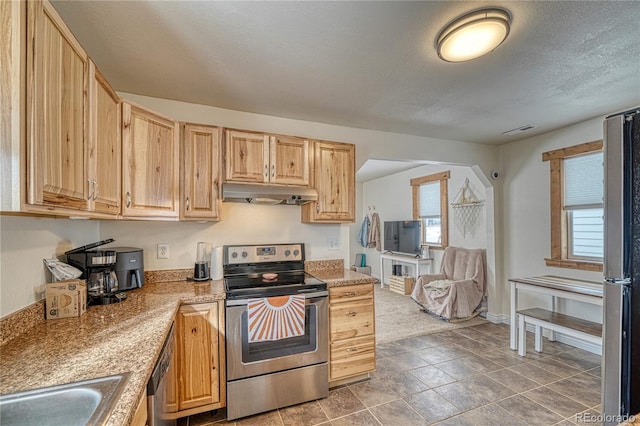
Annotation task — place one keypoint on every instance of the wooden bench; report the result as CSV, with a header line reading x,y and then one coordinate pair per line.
x,y
555,322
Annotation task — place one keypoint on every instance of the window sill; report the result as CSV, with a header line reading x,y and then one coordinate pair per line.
x,y
575,264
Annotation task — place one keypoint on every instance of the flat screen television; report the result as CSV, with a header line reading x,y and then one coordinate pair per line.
x,y
402,236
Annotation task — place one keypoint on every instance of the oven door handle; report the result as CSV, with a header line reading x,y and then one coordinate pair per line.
x,y
308,297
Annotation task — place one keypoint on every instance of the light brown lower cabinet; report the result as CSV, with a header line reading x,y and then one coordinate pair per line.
x,y
352,339
140,418
198,375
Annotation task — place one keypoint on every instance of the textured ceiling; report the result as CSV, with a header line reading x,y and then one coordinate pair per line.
x,y
371,64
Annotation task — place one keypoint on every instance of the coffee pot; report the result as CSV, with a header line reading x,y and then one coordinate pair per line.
x,y
98,268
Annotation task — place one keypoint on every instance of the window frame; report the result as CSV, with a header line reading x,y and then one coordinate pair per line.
x,y
559,220
442,178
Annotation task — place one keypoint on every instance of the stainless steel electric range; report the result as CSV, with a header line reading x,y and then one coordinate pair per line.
x,y
276,329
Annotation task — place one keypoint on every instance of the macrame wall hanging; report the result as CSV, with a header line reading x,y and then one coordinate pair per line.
x,y
466,209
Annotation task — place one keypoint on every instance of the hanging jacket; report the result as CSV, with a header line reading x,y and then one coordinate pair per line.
x,y
374,233
363,235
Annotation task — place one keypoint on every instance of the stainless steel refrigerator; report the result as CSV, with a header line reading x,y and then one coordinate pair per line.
x,y
621,322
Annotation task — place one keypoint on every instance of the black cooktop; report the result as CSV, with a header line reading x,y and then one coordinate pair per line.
x,y
253,285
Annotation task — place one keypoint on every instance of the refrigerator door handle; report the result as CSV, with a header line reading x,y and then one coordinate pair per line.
x,y
616,202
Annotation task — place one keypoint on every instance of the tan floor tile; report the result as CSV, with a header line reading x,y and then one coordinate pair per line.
x,y
271,418
555,366
307,414
442,353
529,412
396,413
340,402
404,384
373,392
432,376
583,388
361,418
513,380
432,406
535,373
558,403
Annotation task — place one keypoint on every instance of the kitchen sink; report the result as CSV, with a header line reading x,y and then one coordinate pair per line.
x,y
88,402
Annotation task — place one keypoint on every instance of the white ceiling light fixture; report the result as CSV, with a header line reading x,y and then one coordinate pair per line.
x,y
473,34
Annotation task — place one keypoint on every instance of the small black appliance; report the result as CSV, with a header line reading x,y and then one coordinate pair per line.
x,y
98,269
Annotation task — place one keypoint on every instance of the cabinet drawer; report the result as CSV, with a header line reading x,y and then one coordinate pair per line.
x,y
350,292
352,357
349,320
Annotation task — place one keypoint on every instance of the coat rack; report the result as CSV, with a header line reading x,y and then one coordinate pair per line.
x,y
466,209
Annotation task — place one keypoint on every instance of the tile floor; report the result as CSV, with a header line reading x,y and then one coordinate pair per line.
x,y
467,376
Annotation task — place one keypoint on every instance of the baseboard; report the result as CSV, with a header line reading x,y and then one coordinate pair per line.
x,y
497,318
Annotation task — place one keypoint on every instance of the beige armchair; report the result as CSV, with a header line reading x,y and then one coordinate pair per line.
x,y
459,290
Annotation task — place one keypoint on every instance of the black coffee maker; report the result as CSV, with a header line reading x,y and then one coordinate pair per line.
x,y
98,269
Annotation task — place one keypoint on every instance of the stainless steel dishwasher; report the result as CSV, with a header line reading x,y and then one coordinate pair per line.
x,y
156,387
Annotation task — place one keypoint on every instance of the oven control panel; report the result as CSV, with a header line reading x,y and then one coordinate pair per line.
x,y
266,253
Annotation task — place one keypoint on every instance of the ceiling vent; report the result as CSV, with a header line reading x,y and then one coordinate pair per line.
x,y
519,130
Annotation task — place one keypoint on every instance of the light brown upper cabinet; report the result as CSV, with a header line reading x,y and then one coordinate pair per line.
x,y
150,159
334,179
201,174
260,158
73,123
57,112
104,147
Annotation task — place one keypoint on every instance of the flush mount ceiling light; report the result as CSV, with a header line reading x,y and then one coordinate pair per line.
x,y
473,35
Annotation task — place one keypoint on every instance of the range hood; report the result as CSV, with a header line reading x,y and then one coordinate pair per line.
x,y
265,194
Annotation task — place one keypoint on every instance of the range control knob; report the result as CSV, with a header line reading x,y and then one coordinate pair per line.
x,y
296,252
234,254
287,252
244,254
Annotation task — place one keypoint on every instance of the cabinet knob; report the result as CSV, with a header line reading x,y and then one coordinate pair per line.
x,y
351,314
352,350
188,204
273,170
317,207
350,294
95,190
128,199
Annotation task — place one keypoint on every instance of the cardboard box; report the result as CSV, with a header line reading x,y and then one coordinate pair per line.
x,y
65,299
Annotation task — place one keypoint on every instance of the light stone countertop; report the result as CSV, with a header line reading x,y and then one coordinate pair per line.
x,y
106,340
342,277
113,339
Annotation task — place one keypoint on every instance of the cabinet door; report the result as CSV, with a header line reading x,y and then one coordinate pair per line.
x,y
199,365
351,357
334,179
353,319
246,157
289,160
171,392
57,83
200,172
104,148
150,156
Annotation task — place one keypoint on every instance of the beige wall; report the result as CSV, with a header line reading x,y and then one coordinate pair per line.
x,y
526,223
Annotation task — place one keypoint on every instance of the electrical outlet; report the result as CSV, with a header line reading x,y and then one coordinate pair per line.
x,y
163,251
333,243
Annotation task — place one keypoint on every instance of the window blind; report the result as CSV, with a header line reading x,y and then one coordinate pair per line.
x,y
583,181
430,199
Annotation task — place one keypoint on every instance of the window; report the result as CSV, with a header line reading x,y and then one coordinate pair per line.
x,y
430,206
577,206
